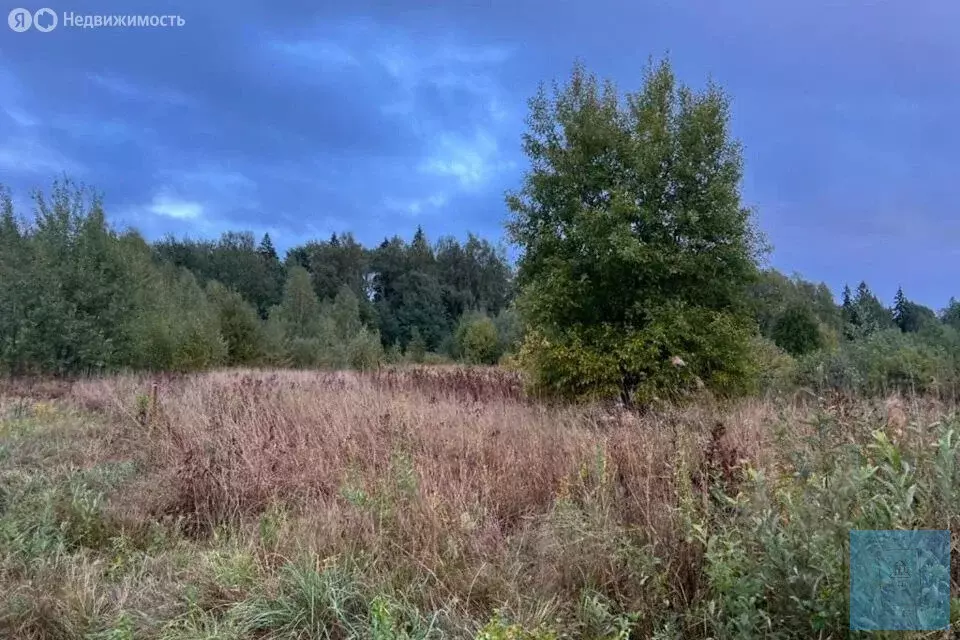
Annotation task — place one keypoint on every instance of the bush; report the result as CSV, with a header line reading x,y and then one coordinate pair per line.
x,y
433,359
832,369
499,629
274,350
393,354
680,350
778,562
365,351
797,331
776,370
894,361
885,362
509,331
476,339
305,352
199,346
417,347
238,324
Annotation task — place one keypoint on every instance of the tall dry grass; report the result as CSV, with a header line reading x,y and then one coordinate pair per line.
x,y
449,474
446,493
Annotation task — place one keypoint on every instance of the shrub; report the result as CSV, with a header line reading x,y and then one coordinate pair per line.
x,y
509,331
393,354
275,348
682,348
417,347
797,331
894,361
499,629
776,370
238,324
434,359
476,339
305,352
365,351
199,346
884,362
778,562
833,369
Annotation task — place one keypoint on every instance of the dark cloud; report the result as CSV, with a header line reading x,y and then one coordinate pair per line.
x,y
377,115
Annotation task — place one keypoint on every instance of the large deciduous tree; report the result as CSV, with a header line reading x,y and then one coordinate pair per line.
x,y
636,250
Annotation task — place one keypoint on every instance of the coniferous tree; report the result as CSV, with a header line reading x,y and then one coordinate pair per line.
x,y
272,276
867,314
911,317
950,316
899,308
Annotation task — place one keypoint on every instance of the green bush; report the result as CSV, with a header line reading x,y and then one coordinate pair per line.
x,y
776,370
305,352
679,350
884,362
776,563
275,347
238,324
509,331
416,347
199,346
365,350
797,330
894,361
431,358
476,339
832,369
499,629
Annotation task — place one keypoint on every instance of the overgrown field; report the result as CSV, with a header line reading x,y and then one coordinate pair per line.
x,y
438,503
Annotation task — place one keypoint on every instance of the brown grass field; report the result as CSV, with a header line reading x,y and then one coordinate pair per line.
x,y
410,503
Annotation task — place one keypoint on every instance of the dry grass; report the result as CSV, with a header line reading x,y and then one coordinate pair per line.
x,y
410,465
444,485
229,444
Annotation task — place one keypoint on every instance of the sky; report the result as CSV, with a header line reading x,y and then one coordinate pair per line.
x,y
301,119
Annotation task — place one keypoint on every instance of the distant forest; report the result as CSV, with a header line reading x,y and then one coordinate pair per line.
x,y
638,276
77,296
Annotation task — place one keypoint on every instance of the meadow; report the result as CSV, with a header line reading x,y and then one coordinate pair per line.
x,y
440,502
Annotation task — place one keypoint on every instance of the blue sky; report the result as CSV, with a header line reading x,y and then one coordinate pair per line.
x,y
302,118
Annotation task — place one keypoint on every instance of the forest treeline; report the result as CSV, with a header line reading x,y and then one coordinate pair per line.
x,y
78,296
639,276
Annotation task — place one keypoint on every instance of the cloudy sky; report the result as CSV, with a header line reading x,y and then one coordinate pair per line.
x,y
305,118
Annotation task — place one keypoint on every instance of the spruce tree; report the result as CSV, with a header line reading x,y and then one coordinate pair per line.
x,y
900,308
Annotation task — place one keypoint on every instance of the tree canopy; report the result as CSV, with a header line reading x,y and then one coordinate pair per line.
x,y
78,296
636,250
